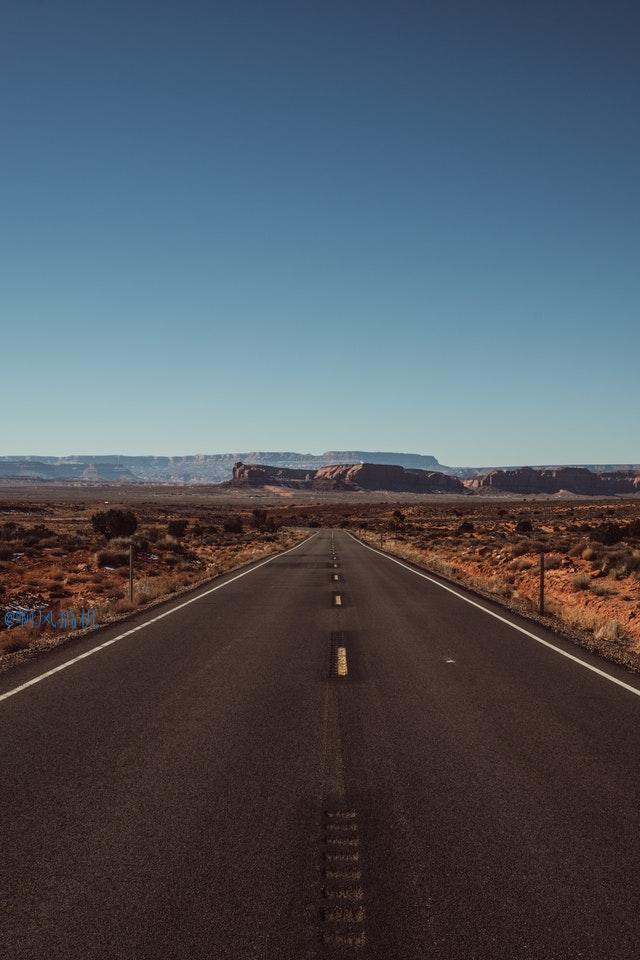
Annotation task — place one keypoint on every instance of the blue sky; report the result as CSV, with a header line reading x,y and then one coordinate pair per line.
x,y
309,226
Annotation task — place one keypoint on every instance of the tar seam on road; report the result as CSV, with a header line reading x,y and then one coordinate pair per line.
x,y
141,626
509,623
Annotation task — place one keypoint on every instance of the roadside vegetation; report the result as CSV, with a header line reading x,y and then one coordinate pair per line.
x,y
78,559
592,560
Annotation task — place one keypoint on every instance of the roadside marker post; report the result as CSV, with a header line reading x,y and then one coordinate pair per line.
x,y
541,605
130,573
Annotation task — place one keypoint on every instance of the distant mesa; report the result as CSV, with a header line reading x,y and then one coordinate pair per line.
x,y
346,476
259,474
576,480
31,470
196,468
334,470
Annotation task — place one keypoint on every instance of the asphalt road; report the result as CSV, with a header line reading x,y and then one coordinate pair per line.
x,y
209,787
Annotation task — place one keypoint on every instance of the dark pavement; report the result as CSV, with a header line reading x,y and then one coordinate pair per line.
x,y
208,788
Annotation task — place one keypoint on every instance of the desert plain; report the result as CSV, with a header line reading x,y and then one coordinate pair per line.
x,y
52,558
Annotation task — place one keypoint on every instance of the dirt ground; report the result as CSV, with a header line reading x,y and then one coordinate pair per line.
x,y
58,575
591,560
51,558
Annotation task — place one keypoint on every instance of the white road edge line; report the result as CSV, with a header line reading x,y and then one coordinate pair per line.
x,y
497,616
141,626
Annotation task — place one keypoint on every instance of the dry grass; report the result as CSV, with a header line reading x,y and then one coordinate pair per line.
x,y
592,588
77,570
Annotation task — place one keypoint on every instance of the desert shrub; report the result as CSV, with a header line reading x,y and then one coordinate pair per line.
x,y
232,525
119,543
114,523
589,554
6,552
177,528
633,528
465,527
170,544
524,526
15,639
523,563
35,534
519,549
610,630
56,590
153,534
552,561
581,581
604,590
259,519
124,605
608,533
112,558
33,542
72,542
51,543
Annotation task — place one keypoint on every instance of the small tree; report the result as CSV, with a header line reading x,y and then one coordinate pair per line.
x,y
232,525
114,523
524,526
397,521
177,528
259,519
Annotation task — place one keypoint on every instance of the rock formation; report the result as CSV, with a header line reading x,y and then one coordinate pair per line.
x,y
377,476
346,476
528,481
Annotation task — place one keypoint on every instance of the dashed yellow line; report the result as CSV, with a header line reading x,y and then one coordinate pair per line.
x,y
341,661
337,600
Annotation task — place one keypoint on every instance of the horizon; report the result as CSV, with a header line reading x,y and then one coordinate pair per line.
x,y
510,465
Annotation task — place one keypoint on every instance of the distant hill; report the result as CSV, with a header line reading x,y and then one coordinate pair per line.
x,y
198,468
213,468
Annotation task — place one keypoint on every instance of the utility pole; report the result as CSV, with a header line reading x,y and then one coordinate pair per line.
x,y
541,583
130,573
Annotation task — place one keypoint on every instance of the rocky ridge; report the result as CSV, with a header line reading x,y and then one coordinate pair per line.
x,y
577,480
346,476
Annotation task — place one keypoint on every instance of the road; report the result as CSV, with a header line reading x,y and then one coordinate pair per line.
x,y
211,786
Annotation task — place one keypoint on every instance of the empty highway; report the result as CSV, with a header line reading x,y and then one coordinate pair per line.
x,y
327,755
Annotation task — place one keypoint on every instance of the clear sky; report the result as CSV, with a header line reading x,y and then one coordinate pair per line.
x,y
321,225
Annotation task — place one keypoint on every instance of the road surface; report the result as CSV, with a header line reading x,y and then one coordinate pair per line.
x,y
294,766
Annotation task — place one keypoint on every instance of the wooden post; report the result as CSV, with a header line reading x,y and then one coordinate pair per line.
x,y
542,582
130,573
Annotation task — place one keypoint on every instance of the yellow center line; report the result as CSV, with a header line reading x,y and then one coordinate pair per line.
x,y
341,658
